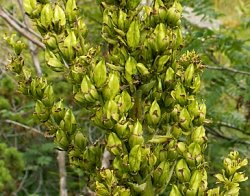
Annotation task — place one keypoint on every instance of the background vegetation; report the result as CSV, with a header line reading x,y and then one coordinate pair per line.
x,y
224,49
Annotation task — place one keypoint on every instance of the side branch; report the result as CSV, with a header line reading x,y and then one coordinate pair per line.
x,y
20,29
227,69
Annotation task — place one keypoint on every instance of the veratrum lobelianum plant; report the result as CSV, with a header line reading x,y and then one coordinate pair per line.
x,y
142,93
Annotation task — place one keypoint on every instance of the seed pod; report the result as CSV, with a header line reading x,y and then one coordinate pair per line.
x,y
114,144
175,191
61,140
112,87
162,39
100,74
133,34
154,114
182,171
134,159
46,16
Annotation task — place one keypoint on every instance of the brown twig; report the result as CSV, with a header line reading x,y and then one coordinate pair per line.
x,y
20,29
227,69
31,45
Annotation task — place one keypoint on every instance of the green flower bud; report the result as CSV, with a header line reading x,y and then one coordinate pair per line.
x,y
46,16
193,109
179,94
181,147
68,46
71,10
101,190
162,39
162,62
122,129
130,69
188,75
143,70
136,136
154,114
195,182
100,74
16,65
41,111
162,174
133,34
196,84
132,4
112,110
61,140
109,177
182,171
214,192
175,191
170,75
50,41
68,124
199,135
122,17
80,140
53,62
113,86
48,96
125,103
185,120
29,6
59,19
114,144
58,111
174,14
134,159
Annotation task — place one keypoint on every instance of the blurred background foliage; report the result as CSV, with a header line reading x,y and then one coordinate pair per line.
x,y
224,49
